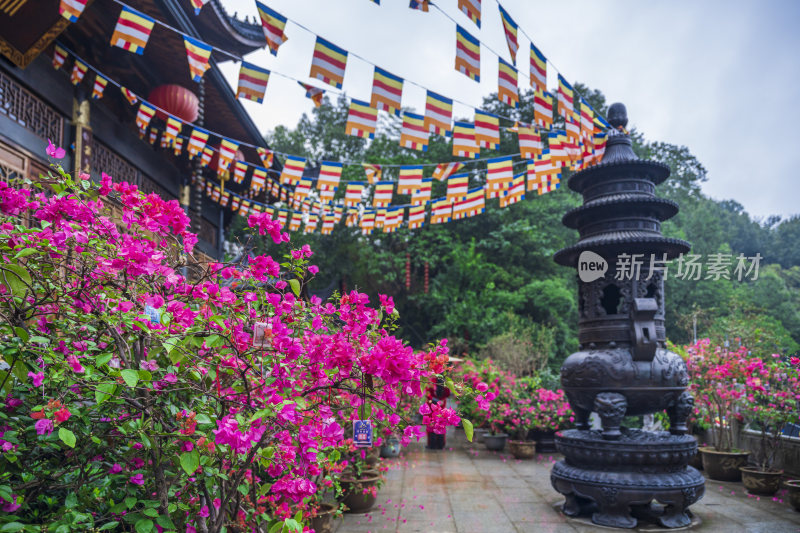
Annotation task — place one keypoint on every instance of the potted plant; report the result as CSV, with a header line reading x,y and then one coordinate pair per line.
x,y
552,413
520,417
769,406
359,483
793,493
717,384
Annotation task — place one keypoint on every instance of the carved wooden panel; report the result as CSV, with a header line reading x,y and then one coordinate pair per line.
x,y
26,109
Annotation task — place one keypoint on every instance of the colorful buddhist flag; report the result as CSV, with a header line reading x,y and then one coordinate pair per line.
x,y
441,211
438,114
252,82
353,193
416,216
302,189
197,141
499,175
78,72
153,135
587,120
445,170
507,83
487,130
311,223
565,97
367,223
205,157
410,179
373,172
297,219
419,5
545,170
510,29
129,96
273,24
573,126
530,142
216,193
329,175
328,222
198,5
515,192
328,63
472,9
476,201
599,146
227,151
314,94
172,128
464,144
59,56
224,198
457,187
556,142
362,120
177,146
72,9
538,69
239,171
352,217
387,91
283,215
99,86
468,54
258,181
543,109
198,54
293,169
244,208
132,30
144,115
413,134
383,194
422,195
265,155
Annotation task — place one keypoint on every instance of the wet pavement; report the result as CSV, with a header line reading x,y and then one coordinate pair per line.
x,y
467,489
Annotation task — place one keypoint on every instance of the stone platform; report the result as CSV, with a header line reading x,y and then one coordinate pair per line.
x,y
466,489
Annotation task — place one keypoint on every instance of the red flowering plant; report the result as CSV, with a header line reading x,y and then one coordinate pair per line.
x,y
717,383
136,398
489,382
770,403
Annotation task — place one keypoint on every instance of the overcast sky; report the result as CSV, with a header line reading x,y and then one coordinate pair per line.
x,y
720,77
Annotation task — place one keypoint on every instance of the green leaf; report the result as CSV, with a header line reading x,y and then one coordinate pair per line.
x,y
295,285
190,461
276,528
39,340
243,488
22,334
16,278
110,525
67,437
293,525
130,376
214,341
144,526
165,522
468,429
5,492
130,501
153,513
104,392
20,371
71,501
102,359
450,385
12,526
171,343
25,252
261,413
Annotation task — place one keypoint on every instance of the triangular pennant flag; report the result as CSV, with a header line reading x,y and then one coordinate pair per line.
x,y
144,115
387,91
72,9
132,30
198,53
273,24
315,94
99,86
468,54
362,120
444,170
198,5
78,71
373,172
328,63
510,29
59,56
266,156
252,82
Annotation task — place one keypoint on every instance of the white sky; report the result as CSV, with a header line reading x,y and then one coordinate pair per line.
x,y
721,77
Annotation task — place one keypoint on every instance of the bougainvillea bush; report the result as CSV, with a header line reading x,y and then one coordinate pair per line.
x,y
134,398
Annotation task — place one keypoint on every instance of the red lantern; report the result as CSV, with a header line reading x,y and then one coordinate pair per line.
x,y
175,100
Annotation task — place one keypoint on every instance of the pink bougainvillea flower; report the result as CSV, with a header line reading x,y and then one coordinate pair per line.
x,y
56,152
36,378
62,415
45,425
313,269
137,479
115,469
795,361
77,367
10,507
204,512
387,302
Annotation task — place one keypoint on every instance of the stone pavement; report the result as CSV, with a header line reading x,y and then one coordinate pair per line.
x,y
467,489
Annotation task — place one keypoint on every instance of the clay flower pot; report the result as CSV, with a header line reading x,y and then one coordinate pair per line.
x,y
522,449
323,522
723,466
763,482
357,494
496,442
793,486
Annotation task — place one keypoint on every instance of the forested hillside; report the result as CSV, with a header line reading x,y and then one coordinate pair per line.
x,y
492,277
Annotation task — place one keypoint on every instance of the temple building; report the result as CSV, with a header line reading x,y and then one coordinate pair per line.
x,y
40,102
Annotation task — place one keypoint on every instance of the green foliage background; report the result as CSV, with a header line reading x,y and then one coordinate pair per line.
x,y
485,267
